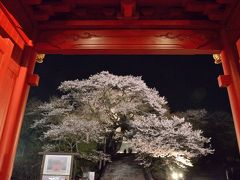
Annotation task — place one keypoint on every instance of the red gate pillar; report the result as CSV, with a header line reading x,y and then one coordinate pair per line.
x,y
231,79
13,122
17,60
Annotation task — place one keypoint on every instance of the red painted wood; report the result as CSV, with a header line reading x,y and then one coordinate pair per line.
x,y
13,120
232,23
128,8
129,24
32,2
131,41
224,80
33,79
10,127
9,26
230,63
225,1
13,88
8,73
46,11
22,15
238,48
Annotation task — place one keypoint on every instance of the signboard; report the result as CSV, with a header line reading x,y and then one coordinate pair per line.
x,y
91,175
49,177
57,167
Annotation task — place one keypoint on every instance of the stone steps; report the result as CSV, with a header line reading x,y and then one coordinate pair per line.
x,y
124,168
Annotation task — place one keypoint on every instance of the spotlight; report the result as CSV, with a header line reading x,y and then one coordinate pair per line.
x,y
180,175
174,175
177,176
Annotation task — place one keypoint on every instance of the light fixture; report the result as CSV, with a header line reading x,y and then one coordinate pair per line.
x,y
180,175
174,175
177,176
217,58
40,57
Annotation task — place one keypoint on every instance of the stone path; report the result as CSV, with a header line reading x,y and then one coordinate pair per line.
x,y
124,169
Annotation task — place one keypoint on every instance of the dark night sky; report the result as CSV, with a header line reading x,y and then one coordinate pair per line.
x,y
188,82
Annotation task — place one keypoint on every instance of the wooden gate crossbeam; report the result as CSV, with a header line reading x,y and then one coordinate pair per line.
x,y
129,41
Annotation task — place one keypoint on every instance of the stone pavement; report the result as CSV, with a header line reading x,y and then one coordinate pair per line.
x,y
124,169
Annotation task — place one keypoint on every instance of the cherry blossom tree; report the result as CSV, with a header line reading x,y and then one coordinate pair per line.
x,y
167,138
73,131
219,126
64,131
103,104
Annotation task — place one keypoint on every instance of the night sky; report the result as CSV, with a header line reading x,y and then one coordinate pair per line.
x,y
187,82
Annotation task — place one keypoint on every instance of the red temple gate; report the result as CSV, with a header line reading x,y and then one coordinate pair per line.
x,y
28,27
